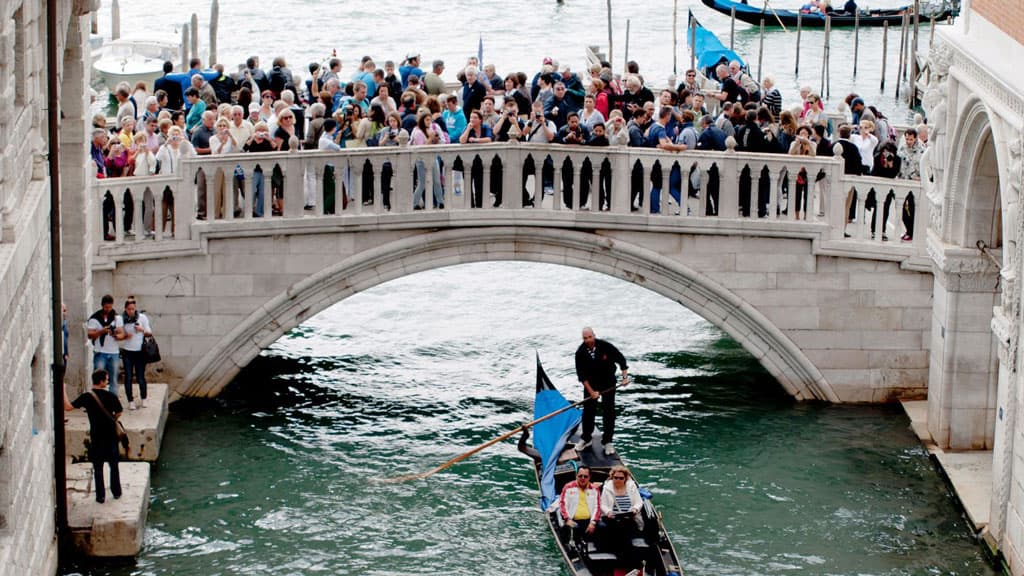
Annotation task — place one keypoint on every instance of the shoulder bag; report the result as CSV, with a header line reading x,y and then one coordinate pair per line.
x,y
122,434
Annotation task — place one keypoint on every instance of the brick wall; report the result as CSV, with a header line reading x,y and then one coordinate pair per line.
x,y
1008,15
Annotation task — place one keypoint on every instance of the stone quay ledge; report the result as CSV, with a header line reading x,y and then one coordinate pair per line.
x,y
115,528
145,427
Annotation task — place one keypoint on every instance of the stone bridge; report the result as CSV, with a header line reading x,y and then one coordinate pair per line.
x,y
832,311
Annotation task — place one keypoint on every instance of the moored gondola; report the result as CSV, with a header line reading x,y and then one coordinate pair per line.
x,y
556,462
754,15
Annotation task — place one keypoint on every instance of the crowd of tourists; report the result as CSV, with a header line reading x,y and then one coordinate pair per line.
x,y
211,112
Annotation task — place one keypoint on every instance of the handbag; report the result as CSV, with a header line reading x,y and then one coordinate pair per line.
x,y
122,434
150,350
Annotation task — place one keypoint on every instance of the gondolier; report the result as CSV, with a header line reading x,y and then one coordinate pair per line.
x,y
595,368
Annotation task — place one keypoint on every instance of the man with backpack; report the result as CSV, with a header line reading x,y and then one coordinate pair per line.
x,y
731,91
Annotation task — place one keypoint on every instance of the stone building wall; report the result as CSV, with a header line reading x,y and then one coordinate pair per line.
x,y
1007,15
27,498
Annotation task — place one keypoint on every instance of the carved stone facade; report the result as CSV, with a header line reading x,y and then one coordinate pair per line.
x,y
974,168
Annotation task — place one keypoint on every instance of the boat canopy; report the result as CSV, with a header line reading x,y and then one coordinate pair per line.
x,y
550,436
709,49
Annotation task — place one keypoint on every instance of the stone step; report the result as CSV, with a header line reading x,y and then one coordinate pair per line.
x,y
115,528
145,427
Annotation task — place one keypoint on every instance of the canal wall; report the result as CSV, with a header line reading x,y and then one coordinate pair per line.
x,y
28,544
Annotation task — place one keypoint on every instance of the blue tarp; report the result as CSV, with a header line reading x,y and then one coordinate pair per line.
x,y
709,50
550,436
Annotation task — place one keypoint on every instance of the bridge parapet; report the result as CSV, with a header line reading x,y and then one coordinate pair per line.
x,y
632,187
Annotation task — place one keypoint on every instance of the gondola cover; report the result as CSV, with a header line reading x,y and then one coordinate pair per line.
x,y
550,436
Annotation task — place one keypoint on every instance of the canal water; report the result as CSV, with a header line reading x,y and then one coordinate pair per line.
x,y
280,474
516,36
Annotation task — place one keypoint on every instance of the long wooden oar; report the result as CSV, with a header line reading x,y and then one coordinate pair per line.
x,y
490,443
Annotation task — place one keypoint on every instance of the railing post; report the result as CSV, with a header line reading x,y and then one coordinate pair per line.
x,y
139,224
512,176
622,174
229,193
401,196
356,165
556,197
486,202
729,186
294,180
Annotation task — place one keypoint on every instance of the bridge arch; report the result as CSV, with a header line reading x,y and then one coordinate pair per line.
x,y
633,263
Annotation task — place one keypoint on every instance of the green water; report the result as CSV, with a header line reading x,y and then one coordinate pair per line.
x,y
278,475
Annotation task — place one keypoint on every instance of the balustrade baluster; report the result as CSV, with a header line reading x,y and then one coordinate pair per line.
x,y
119,216
356,165
486,194
622,165
138,224
229,193
556,198
576,198
209,177
378,197
402,193
294,182
729,169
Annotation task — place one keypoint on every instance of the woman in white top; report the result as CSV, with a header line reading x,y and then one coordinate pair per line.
x,y
866,143
590,115
169,159
145,165
618,134
621,504
384,99
136,329
222,142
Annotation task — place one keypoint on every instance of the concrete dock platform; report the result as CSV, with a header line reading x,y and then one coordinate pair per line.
x,y
969,473
145,427
114,528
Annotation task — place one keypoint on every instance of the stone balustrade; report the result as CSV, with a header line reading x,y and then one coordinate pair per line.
x,y
627,183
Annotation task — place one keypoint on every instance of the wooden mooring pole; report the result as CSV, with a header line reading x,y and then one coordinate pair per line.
x,y
194,37
625,59
760,52
828,56
675,36
885,52
184,46
912,93
899,59
693,43
608,4
856,40
732,28
115,20
214,15
799,26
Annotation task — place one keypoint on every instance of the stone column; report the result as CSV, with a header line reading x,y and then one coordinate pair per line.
x,y
79,215
962,375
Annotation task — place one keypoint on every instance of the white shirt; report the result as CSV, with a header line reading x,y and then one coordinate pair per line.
x,y
109,344
135,332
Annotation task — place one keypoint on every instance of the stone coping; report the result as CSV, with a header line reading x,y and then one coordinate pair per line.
x,y
145,427
115,528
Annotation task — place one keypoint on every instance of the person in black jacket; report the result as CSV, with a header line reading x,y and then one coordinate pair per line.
x,y
102,431
175,95
595,368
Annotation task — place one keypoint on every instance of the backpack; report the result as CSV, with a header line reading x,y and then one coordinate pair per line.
x,y
751,86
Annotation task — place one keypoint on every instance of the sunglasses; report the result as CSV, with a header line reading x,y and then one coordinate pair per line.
x,y
618,477
583,475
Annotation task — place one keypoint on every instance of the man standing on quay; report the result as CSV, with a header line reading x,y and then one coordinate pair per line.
x,y
595,368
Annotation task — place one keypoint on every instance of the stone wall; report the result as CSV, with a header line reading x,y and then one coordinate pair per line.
x,y
827,326
27,498
1007,15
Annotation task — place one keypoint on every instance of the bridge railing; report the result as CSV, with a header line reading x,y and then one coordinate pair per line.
x,y
623,182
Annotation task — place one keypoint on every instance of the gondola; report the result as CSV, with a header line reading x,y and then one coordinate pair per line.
x,y
555,464
754,15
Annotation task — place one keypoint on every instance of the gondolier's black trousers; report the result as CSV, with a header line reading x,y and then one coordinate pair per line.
x,y
607,416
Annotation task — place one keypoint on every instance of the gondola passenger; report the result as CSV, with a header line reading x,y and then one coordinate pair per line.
x,y
620,505
580,506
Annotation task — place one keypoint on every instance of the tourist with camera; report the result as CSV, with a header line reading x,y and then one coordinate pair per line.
x,y
104,329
